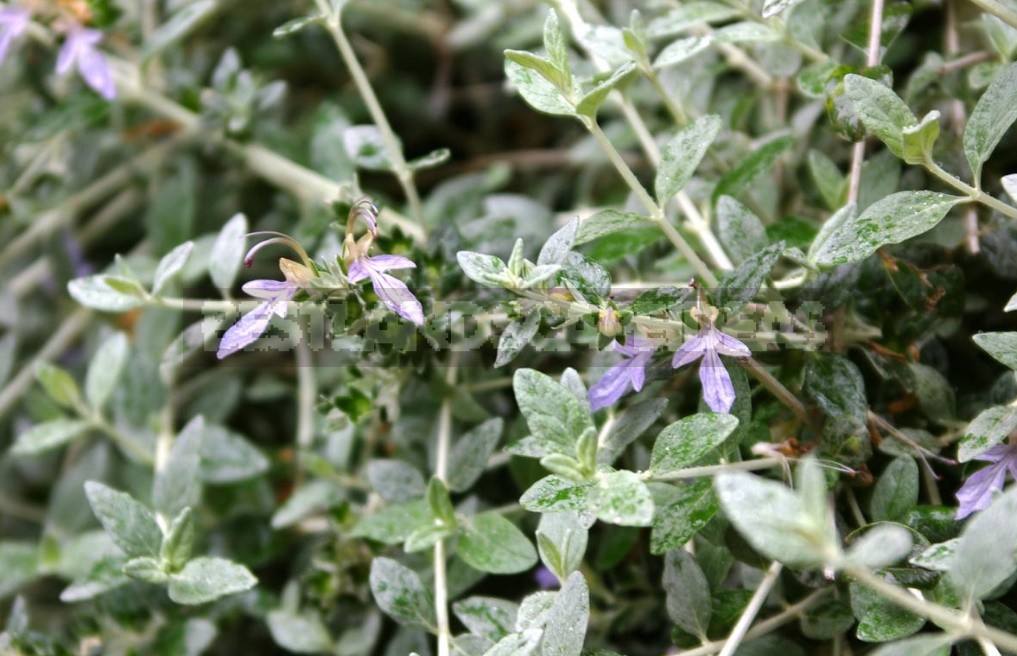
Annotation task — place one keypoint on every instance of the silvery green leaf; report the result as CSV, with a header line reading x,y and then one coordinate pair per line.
x,y
621,498
739,179
682,513
830,182
399,592
526,643
19,561
106,293
107,574
924,645
741,285
533,610
745,32
689,439
49,435
299,632
681,50
688,594
918,140
1009,183
58,383
206,579
607,222
567,619
880,620
985,555
366,147
533,85
881,110
227,457
556,418
682,154
439,501
105,369
177,484
833,226
595,97
485,269
394,524
772,518
170,265
880,546
937,557
395,480
773,7
516,336
470,453
811,485
1001,345
896,491
989,428
294,25
827,620
894,219
562,538
539,275
627,428
131,525
489,617
607,42
178,27
992,116
556,494
310,498
146,569
741,231
228,252
490,543
687,16
556,45
559,245
178,542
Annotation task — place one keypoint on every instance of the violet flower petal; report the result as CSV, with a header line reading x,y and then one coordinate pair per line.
x,y
689,352
95,70
718,391
13,22
359,270
397,297
727,345
978,489
637,370
246,331
382,263
268,289
612,386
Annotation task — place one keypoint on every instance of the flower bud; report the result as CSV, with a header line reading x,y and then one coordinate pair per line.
x,y
609,322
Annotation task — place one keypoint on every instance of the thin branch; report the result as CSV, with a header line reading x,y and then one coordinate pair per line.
x,y
751,610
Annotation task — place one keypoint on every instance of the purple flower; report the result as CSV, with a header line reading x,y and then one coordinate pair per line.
x,y
13,22
545,578
393,292
80,49
981,486
630,372
277,295
710,344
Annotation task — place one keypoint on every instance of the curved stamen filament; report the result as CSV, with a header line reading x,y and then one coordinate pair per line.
x,y
278,238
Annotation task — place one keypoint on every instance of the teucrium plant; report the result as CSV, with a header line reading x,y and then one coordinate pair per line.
x,y
703,346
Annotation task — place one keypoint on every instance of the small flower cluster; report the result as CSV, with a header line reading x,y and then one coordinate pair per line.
x,y
277,294
79,50
709,344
